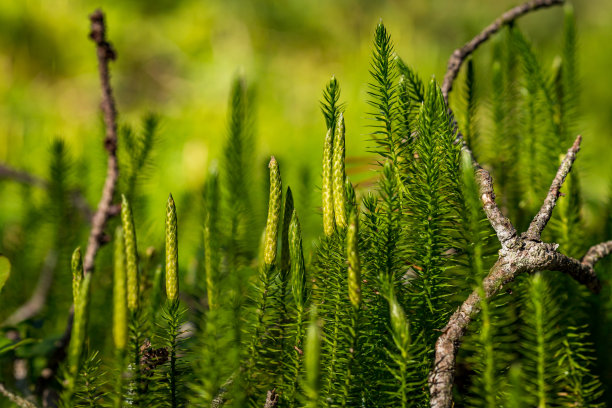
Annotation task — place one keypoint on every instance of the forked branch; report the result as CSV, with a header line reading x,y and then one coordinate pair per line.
x,y
519,254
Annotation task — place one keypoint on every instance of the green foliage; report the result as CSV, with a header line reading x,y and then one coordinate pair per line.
x,y
393,262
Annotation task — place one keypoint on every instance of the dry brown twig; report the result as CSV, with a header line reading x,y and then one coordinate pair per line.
x,y
460,54
524,253
105,209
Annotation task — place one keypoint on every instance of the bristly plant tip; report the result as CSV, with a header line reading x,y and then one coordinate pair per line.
x,y
274,212
131,254
172,285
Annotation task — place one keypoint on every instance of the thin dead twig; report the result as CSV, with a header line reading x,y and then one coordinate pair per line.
x,y
105,209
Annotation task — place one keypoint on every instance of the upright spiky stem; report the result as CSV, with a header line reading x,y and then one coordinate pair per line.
x,y
401,337
119,293
211,249
298,290
331,109
172,289
120,318
77,339
312,358
354,293
266,273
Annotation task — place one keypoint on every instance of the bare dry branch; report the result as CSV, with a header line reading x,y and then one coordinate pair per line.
x,y
460,54
519,254
524,254
106,209
541,219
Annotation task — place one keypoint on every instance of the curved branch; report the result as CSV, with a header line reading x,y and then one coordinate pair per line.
x,y
460,54
596,252
543,216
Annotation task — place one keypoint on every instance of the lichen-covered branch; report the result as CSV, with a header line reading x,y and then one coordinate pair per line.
x,y
461,54
543,216
519,254
526,257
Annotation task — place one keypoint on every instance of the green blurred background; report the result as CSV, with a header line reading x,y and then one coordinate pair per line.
x,y
177,58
